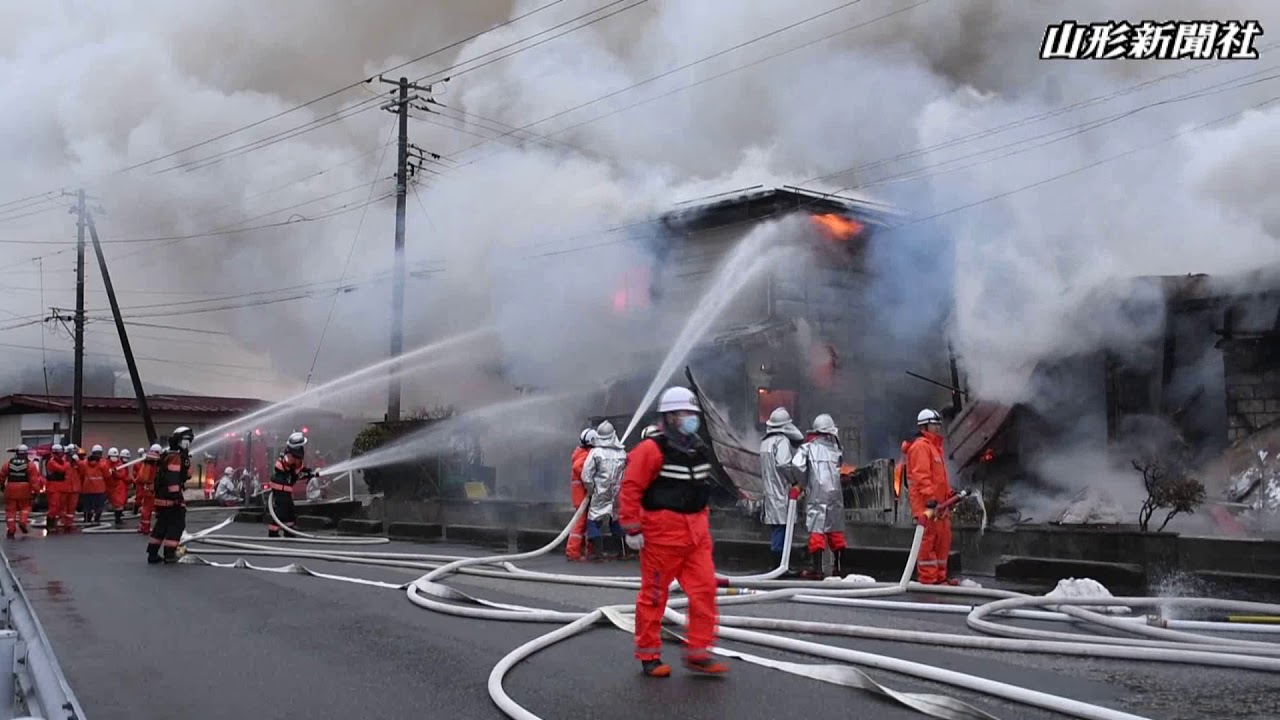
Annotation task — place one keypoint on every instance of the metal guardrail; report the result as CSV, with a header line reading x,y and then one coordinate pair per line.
x,y
36,687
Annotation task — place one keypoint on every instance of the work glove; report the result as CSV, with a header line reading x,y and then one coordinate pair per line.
x,y
794,492
635,542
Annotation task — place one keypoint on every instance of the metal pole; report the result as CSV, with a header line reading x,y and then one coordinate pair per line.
x,y
397,281
124,335
77,399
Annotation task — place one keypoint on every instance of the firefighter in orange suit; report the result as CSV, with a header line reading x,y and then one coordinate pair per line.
x,y
172,470
664,514
20,479
578,493
72,502
117,483
927,486
145,482
96,470
57,471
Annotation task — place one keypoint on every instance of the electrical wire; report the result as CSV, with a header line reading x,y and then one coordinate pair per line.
x,y
355,238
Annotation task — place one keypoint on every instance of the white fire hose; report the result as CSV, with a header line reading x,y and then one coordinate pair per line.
x,y
1154,644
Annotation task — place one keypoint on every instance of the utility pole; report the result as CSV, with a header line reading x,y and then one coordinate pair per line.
x,y
77,393
124,336
400,105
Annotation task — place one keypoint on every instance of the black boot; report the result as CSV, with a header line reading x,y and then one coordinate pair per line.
x,y
170,556
837,564
273,533
595,547
153,554
119,517
814,571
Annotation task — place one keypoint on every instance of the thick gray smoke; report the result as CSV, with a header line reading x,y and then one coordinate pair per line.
x,y
509,232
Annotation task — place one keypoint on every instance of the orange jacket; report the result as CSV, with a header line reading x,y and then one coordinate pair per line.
x,y
145,478
926,472
660,527
58,467
76,477
577,462
95,476
117,474
20,488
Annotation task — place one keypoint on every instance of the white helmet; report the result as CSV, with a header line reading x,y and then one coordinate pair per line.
x,y
296,440
72,448
825,425
57,449
228,470
605,434
96,450
650,431
154,451
125,454
142,451
779,418
587,437
114,453
927,416
22,450
676,398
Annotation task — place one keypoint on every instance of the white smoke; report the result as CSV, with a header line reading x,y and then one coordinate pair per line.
x,y
510,232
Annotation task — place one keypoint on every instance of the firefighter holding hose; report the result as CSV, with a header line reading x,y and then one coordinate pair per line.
x,y
145,478
780,437
820,459
664,513
172,471
927,487
57,483
287,472
578,493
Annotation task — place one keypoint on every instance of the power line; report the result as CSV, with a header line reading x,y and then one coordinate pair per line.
x,y
338,91
347,263
370,103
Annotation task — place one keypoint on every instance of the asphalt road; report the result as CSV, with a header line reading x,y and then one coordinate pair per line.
x,y
196,643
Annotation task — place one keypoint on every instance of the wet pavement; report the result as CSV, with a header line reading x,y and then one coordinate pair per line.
x,y
192,642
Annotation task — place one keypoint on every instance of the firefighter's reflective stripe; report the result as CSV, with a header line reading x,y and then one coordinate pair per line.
x,y
682,472
280,487
162,502
928,563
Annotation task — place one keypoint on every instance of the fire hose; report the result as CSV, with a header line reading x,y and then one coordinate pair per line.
x,y
1158,644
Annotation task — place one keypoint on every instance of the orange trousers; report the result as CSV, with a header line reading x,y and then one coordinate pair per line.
x,y
573,549
56,498
931,568
147,504
819,541
16,511
69,503
693,567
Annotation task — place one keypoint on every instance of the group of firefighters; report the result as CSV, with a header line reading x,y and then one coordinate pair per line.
x,y
794,463
73,478
655,498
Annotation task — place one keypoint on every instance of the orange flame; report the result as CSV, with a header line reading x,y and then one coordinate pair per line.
x,y
988,456
837,227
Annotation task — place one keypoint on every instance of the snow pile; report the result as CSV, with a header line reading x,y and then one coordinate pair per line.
x,y
1073,588
852,579
966,582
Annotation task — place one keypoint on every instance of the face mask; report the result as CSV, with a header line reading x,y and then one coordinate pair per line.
x,y
185,444
689,424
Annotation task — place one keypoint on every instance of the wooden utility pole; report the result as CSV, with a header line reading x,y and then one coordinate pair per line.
x,y
77,393
400,106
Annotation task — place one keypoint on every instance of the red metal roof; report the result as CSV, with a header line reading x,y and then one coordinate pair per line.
x,y
193,404
973,430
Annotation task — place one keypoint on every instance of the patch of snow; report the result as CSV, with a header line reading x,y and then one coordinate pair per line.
x,y
966,582
853,579
1073,588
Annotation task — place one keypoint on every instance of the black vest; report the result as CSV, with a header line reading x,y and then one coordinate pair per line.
x,y
166,477
18,470
684,483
